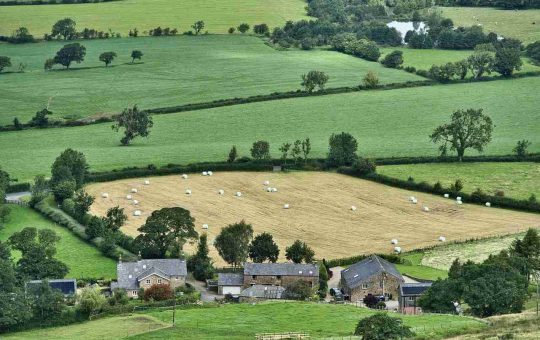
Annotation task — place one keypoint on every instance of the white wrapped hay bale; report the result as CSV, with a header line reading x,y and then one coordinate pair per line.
x,y
267,183
221,191
458,198
204,173
446,195
146,182
137,213
268,189
105,195
184,176
459,202
274,189
134,191
488,204
135,202
397,249
205,226
394,241
188,192
210,173
353,208
425,208
238,194
442,239
129,197
415,201
286,206
412,198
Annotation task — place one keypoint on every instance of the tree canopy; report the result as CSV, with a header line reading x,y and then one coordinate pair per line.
x,y
263,248
135,123
342,150
232,243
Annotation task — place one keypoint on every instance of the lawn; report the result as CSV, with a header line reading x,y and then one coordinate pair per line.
x,y
523,25
516,180
243,321
83,260
424,59
414,267
386,123
176,70
121,16
103,329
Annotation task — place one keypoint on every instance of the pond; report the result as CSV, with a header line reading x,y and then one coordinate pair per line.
x,y
404,26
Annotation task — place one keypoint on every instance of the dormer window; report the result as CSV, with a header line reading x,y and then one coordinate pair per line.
x,y
364,286
148,282
130,276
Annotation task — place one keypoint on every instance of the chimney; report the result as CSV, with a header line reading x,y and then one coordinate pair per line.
x,y
139,257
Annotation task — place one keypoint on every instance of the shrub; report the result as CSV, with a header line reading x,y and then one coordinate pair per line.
x,y
381,326
158,293
370,301
371,80
437,187
363,166
64,190
393,59
499,193
68,206
457,186
91,301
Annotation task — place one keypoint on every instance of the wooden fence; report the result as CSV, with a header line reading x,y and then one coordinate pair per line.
x,y
282,336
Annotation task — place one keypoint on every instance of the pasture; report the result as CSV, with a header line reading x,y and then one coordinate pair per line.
x,y
424,59
175,70
121,16
516,180
104,329
243,321
522,24
386,123
83,259
319,214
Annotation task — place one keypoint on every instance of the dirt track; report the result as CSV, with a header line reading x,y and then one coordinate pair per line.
x,y
320,210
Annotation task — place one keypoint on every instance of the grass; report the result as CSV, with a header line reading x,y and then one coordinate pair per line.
x,y
424,59
476,251
106,328
516,180
176,70
243,321
386,123
509,23
418,270
83,260
320,212
121,16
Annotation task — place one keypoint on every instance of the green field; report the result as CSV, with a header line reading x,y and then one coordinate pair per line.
x,y
121,16
516,180
83,260
176,70
424,59
523,25
243,321
416,268
386,123
106,328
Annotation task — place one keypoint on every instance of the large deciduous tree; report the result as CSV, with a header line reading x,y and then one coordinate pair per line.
x,y
71,165
107,57
507,60
342,149
4,62
135,122
469,128
232,243
299,252
382,326
136,54
64,28
115,218
260,150
198,26
166,231
263,248
70,53
480,62
314,79
200,263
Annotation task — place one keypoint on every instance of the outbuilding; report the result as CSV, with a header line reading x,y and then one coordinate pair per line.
x,y
230,283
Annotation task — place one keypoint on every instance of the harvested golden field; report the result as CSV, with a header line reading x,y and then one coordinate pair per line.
x,y
320,210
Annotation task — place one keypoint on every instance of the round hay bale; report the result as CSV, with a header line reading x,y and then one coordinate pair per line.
x,y
266,183
238,194
397,249
459,202
105,195
146,182
221,191
135,202
137,213
134,191
268,189
488,204
412,198
184,176
446,195
426,209
415,201
353,208
458,198
274,189
205,226
129,197
442,239
286,206
210,173
394,241
204,173
188,192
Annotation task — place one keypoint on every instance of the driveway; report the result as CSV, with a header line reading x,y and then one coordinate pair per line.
x,y
333,282
206,295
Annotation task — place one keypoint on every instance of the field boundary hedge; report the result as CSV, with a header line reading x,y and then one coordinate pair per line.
x,y
270,97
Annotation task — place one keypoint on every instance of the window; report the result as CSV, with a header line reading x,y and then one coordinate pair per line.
x,y
254,276
278,277
364,285
158,281
148,281
410,298
135,293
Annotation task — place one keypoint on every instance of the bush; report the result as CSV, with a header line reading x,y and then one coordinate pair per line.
x,y
68,206
64,190
381,326
370,301
159,292
393,59
363,166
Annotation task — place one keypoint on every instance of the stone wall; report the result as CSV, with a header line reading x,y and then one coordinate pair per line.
x,y
373,286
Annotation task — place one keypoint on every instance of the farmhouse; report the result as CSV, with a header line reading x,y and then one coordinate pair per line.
x,y
408,296
372,275
133,276
68,287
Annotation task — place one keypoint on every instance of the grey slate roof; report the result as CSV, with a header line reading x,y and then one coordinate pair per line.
x,y
151,271
129,272
361,271
230,279
413,289
263,292
283,269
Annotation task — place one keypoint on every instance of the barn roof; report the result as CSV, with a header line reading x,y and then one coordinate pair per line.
x,y
230,279
263,292
283,269
413,289
361,271
66,286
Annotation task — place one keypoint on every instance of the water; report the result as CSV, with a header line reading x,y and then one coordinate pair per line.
x,y
404,26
